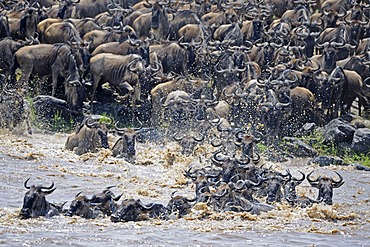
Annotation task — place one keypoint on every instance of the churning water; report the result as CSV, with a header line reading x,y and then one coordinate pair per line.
x,y
155,175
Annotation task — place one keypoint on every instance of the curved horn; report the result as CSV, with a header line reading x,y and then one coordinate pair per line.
x,y
300,180
118,197
199,139
147,207
129,66
25,184
178,138
337,184
190,200
119,129
313,183
243,163
140,127
50,187
218,159
48,192
224,192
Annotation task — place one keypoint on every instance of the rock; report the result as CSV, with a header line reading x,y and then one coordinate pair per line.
x,y
49,109
327,160
361,167
356,121
307,129
349,117
361,141
337,131
298,147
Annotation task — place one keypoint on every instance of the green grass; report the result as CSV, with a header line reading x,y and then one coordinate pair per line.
x,y
60,124
316,141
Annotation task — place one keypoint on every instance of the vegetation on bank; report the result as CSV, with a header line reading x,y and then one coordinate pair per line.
x,y
324,148
317,141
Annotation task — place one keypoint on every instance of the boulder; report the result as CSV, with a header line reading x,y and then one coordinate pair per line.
x,y
327,160
48,110
361,141
337,131
307,129
361,167
298,147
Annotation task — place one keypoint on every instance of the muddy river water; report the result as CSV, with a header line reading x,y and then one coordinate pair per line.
x,y
155,175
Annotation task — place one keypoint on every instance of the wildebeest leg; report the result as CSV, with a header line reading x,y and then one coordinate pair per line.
x,y
95,79
54,77
336,108
26,73
132,91
43,81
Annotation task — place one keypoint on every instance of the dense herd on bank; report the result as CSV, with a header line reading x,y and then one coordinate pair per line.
x,y
275,64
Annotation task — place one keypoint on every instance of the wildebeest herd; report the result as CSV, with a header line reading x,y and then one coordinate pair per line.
x,y
240,193
250,69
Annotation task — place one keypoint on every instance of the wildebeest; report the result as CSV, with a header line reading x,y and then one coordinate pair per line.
x,y
8,48
82,206
188,142
179,205
172,56
126,145
88,137
91,8
35,204
122,72
45,60
156,22
274,183
61,32
340,90
131,210
125,48
105,201
4,26
325,186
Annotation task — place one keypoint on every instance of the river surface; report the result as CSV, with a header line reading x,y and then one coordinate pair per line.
x,y
157,173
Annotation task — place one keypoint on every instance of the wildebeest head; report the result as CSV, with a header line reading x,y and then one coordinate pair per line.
x,y
160,25
66,8
200,178
332,90
290,188
271,112
105,201
126,144
179,205
34,202
101,131
247,143
28,22
274,184
131,210
81,206
325,186
82,55
188,142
